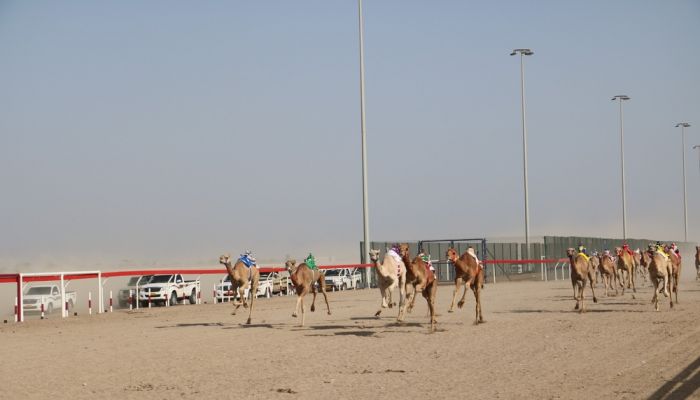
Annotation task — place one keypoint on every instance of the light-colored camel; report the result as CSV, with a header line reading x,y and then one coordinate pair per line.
x,y
467,270
418,278
303,279
607,272
697,263
580,270
646,261
675,265
242,278
625,270
641,270
659,274
390,274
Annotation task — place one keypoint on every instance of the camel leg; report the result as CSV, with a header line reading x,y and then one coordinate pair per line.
x,y
303,312
402,291
458,281
575,286
382,290
253,293
655,299
313,301
322,286
590,280
236,304
467,284
300,295
410,292
582,287
676,277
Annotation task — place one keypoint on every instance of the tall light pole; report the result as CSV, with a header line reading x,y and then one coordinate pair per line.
x,y
365,207
524,52
621,98
684,125
697,146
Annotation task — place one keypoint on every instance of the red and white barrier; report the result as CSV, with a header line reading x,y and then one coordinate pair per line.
x,y
89,303
16,309
42,307
131,299
111,309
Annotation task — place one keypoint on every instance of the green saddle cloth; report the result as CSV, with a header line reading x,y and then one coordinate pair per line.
x,y
311,262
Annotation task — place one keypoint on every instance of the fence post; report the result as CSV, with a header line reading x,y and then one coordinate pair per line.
x,y
89,303
542,267
111,309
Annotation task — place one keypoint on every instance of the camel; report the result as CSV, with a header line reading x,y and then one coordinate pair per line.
x,y
242,278
469,271
595,264
625,269
675,267
697,263
607,272
418,277
659,272
580,270
645,262
389,275
303,279
642,272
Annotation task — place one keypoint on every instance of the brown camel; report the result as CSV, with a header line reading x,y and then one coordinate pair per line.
x,y
242,278
646,261
580,270
697,263
418,277
625,269
675,266
303,279
469,271
659,273
607,272
390,274
595,264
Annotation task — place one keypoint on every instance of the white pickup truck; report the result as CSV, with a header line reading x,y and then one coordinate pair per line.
x,y
342,279
49,295
172,288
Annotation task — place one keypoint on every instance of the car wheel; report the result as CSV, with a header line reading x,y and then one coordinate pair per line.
x,y
193,296
173,299
345,286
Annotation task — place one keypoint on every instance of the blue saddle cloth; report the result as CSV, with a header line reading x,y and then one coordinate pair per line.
x,y
247,261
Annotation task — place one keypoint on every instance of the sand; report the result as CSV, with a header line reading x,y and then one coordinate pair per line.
x,y
533,345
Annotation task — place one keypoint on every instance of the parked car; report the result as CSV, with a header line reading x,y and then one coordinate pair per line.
x,y
49,295
171,287
342,279
266,287
132,288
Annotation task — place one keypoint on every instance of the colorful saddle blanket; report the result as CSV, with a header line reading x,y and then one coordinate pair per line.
x,y
247,261
584,256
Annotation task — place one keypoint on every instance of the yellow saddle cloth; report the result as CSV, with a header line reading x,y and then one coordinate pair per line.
x,y
584,256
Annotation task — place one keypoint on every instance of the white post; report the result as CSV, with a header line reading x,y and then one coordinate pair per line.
x,y
166,300
493,271
131,299
16,309
137,293
63,299
110,302
42,307
100,304
20,299
542,267
89,303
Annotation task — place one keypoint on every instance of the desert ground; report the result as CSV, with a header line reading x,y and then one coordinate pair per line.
x,y
533,345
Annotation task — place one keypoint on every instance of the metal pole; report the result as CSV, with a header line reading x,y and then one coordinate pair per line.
x,y
622,161
522,106
620,98
685,201
365,208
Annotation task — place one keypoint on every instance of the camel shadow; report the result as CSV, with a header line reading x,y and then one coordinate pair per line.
x,y
195,324
588,310
682,385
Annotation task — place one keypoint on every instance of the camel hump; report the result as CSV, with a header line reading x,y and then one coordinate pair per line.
x,y
585,257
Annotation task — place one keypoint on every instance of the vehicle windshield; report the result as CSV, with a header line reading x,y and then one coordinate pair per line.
x,y
160,279
265,275
134,279
39,290
333,272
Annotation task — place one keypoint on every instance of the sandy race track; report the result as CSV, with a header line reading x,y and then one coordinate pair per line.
x,y
533,346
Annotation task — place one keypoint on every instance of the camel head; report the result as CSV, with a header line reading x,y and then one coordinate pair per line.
x,y
290,265
451,254
618,251
403,249
374,255
225,259
570,252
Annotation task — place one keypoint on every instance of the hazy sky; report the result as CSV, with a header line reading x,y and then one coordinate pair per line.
x,y
134,132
